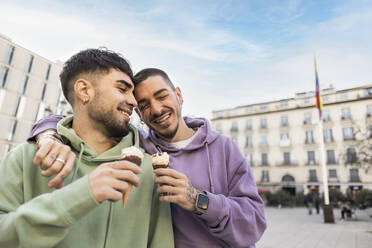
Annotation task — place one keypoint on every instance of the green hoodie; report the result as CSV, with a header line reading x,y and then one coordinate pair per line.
x,y
33,215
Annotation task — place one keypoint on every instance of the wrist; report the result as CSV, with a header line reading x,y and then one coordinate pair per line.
x,y
201,202
48,134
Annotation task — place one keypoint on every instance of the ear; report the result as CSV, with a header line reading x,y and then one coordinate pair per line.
x,y
179,95
84,90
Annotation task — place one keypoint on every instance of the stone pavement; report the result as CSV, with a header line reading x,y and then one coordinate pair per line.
x,y
294,228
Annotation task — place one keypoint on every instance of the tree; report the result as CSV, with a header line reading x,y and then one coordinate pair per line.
x,y
360,153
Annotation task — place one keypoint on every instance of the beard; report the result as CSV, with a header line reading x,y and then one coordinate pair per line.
x,y
167,134
107,120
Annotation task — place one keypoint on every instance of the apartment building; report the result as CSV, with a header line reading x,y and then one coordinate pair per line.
x,y
280,139
29,90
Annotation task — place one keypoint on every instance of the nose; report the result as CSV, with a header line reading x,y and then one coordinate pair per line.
x,y
131,101
156,108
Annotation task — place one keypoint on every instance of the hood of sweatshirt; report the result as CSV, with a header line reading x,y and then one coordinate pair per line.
x,y
87,153
204,136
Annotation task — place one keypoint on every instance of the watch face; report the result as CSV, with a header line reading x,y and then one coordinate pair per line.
x,y
203,201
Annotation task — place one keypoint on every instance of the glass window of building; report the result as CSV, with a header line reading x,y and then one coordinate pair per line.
x,y
24,86
343,96
345,114
264,161
332,173
309,137
354,175
218,125
248,125
351,156
283,104
368,92
263,107
328,135
331,158
325,99
234,126
307,118
310,157
263,140
3,76
369,110
348,133
312,176
30,63
284,121
248,141
265,176
249,158
48,72
12,129
307,101
327,116
235,139
286,158
249,109
9,57
263,123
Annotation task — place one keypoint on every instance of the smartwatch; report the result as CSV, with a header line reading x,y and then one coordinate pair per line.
x,y
201,204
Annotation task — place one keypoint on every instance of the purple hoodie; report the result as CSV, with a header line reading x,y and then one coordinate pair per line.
x,y
213,163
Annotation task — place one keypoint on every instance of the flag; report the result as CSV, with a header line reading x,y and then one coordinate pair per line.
x,y
319,104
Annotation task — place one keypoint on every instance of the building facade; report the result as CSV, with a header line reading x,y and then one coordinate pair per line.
x,y
29,90
280,139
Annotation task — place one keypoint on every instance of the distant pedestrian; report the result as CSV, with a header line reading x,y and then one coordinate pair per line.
x,y
317,203
309,202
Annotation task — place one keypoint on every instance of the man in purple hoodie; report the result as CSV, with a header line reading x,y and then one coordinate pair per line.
x,y
213,196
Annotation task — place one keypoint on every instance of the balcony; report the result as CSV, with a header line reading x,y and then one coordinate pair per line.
x,y
311,162
309,141
346,118
313,179
285,143
354,180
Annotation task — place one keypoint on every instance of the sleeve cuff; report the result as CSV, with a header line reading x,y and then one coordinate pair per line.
x,y
216,206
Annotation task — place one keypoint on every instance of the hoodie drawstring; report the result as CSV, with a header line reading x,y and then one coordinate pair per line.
x,y
78,162
209,169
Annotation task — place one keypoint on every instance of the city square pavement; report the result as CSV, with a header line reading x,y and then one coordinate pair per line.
x,y
295,228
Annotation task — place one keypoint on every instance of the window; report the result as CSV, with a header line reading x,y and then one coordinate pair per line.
x,y
20,107
3,76
218,125
369,110
30,63
264,161
234,127
249,109
9,58
263,107
331,158
248,125
235,139
12,129
265,176
48,72
284,121
343,96
219,114
310,157
309,137
284,104
284,139
327,116
348,133
307,101
263,140
345,114
351,156
354,175
286,158
24,86
328,136
325,99
312,176
332,173
308,117
263,123
248,141
368,92
249,159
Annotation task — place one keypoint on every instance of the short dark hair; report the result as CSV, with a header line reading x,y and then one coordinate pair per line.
x,y
150,72
92,61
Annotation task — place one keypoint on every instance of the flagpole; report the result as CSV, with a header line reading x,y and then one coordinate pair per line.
x,y
327,207
323,162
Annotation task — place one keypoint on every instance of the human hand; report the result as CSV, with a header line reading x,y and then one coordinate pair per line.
x,y
178,185
110,181
54,158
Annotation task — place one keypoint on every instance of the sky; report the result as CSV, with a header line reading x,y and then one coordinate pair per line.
x,y
222,54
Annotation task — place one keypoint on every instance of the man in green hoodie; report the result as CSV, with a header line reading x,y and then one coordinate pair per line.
x,y
86,212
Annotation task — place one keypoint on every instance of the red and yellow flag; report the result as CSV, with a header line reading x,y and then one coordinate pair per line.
x,y
319,104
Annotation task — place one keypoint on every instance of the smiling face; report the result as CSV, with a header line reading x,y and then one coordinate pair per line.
x,y
113,102
159,106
